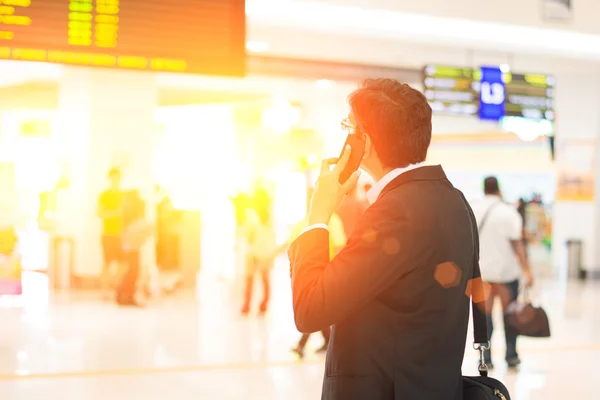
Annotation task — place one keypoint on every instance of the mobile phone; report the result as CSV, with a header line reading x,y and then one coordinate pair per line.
x,y
357,142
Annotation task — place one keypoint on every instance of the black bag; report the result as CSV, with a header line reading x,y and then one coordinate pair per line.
x,y
527,319
480,387
484,388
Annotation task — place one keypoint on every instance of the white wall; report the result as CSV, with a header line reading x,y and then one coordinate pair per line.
x,y
578,106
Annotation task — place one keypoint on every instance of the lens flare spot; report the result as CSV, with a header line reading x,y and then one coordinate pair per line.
x,y
447,274
391,246
474,290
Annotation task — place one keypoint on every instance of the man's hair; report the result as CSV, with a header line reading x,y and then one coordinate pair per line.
x,y
396,117
490,185
114,173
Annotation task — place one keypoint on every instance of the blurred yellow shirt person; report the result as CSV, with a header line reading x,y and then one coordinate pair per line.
x,y
10,262
110,211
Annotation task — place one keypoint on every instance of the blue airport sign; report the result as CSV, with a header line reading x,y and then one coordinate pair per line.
x,y
492,94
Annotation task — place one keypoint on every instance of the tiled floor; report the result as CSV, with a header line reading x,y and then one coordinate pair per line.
x,y
75,347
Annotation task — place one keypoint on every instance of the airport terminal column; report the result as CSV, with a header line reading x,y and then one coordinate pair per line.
x,y
105,119
576,212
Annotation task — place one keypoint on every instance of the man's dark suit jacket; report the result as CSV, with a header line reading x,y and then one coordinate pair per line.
x,y
396,295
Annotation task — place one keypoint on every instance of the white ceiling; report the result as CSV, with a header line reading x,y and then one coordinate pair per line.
x,y
455,24
353,48
583,18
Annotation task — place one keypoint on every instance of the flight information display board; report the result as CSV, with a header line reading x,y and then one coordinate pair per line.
x,y
193,36
530,96
451,90
459,91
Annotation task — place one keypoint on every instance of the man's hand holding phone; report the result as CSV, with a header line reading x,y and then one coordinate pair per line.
x,y
329,193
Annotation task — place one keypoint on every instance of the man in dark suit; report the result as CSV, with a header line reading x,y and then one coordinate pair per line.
x,y
396,295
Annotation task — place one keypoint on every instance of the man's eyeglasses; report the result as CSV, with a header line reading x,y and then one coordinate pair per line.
x,y
348,127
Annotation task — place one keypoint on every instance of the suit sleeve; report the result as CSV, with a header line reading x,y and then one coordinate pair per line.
x,y
337,236
380,251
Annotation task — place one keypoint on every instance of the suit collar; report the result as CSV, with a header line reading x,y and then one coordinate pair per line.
x,y
374,193
424,173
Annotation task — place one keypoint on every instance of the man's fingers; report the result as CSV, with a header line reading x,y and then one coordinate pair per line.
x,y
351,182
341,164
326,163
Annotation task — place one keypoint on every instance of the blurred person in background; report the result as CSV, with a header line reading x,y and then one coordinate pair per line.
x,y
502,259
522,210
547,238
398,331
110,211
261,248
337,241
10,257
136,231
168,222
241,203
536,219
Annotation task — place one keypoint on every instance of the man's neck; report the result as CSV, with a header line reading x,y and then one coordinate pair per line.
x,y
378,175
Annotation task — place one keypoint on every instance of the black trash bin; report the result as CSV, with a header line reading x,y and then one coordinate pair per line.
x,y
574,258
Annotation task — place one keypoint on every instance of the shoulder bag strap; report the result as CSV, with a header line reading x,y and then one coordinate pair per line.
x,y
486,215
480,333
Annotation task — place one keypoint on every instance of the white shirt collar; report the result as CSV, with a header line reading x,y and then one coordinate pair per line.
x,y
375,191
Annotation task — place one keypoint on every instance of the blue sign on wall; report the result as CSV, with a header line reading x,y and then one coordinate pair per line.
x,y
492,94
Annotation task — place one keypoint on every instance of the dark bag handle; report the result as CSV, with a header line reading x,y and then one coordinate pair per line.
x,y
480,333
525,291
